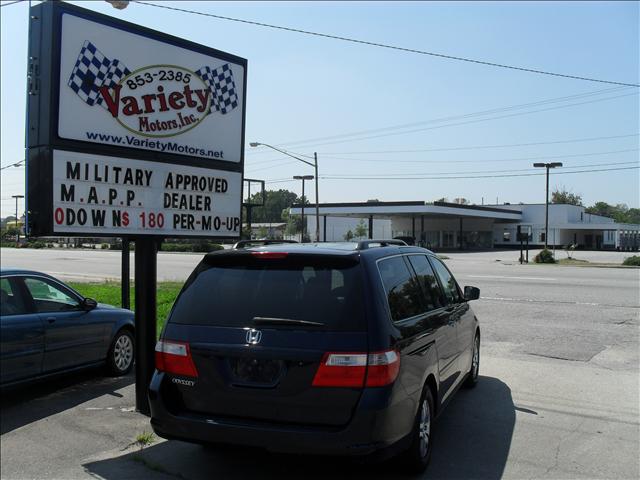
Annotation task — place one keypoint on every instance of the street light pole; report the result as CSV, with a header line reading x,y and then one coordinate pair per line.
x,y
314,165
17,227
546,212
303,178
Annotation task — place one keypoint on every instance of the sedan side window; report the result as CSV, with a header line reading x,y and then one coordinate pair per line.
x,y
447,281
402,287
49,297
11,302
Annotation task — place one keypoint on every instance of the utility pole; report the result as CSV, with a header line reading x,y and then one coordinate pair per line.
x,y
303,178
546,211
17,227
314,165
315,161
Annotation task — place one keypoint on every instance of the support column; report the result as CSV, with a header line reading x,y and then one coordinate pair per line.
x,y
125,274
460,236
145,317
325,229
370,227
413,228
422,235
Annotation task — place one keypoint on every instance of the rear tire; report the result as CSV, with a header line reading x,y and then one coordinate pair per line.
x,y
472,376
121,354
416,458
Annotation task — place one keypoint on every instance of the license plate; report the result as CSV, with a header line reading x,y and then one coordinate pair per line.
x,y
255,371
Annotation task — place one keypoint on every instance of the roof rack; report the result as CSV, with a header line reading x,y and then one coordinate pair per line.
x,y
365,244
255,243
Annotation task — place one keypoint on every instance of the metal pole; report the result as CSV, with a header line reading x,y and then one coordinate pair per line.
x,y
302,239
16,222
546,214
325,228
145,317
126,273
315,158
17,227
249,210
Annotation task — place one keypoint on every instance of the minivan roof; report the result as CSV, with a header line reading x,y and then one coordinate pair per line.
x,y
327,248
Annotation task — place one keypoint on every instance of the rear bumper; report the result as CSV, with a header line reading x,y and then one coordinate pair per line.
x,y
375,425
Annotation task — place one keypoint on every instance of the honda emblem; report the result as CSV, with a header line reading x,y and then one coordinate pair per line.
x,y
254,336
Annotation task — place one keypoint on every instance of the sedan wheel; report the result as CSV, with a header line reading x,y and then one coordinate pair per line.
x,y
121,354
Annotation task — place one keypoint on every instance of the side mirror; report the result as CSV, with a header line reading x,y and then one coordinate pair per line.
x,y
89,304
471,293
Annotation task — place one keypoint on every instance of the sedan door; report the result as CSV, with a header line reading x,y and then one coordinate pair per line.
x,y
73,336
21,334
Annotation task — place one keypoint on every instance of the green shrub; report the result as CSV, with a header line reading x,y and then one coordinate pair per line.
x,y
199,246
632,261
545,256
36,244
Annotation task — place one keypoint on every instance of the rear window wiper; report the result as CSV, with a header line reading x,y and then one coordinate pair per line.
x,y
285,321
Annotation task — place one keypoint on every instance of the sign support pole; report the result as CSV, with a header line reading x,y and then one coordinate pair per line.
x,y
126,274
145,317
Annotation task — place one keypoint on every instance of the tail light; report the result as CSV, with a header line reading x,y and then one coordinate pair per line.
x,y
357,369
269,255
175,358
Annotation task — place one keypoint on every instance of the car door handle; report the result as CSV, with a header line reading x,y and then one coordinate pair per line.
x,y
51,319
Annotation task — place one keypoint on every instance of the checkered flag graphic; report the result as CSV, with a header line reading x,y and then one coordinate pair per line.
x,y
92,71
224,96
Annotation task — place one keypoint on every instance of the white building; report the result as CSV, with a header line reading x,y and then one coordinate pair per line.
x,y
441,225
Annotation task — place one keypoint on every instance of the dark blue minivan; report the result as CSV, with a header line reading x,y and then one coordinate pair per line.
x,y
346,348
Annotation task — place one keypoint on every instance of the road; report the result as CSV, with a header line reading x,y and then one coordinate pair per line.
x,y
558,397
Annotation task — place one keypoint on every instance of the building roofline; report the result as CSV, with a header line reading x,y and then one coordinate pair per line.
x,y
406,204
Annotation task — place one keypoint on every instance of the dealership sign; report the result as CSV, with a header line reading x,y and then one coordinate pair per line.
x,y
107,97
119,196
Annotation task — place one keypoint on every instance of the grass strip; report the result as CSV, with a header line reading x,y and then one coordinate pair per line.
x,y
109,292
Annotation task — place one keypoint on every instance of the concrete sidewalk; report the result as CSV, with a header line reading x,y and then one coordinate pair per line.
x,y
529,418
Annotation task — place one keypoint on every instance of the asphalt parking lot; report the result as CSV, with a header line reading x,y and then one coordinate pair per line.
x,y
558,395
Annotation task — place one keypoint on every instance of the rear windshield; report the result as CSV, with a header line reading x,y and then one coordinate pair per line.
x,y
314,290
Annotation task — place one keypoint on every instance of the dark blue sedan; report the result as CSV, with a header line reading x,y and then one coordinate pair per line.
x,y
48,328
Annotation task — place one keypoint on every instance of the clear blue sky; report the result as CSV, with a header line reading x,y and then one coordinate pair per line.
x,y
302,87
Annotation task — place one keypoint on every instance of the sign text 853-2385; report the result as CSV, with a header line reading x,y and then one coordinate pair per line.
x,y
96,194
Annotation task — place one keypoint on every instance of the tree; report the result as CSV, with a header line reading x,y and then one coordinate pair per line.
x,y
620,212
294,222
275,201
566,197
348,236
361,229
461,201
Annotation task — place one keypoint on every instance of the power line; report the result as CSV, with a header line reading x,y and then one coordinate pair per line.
x,y
516,159
475,147
480,176
465,122
390,175
11,3
564,98
469,121
391,47
394,161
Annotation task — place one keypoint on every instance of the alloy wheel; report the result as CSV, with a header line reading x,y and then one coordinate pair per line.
x,y
424,428
123,352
